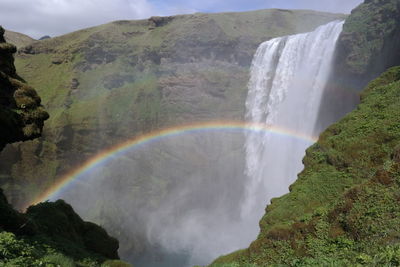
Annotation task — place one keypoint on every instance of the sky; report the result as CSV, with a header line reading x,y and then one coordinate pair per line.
x,y
37,18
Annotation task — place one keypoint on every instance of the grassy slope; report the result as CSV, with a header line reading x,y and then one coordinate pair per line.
x,y
18,39
343,210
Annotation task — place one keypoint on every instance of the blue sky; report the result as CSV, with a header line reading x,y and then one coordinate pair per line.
x,y
55,17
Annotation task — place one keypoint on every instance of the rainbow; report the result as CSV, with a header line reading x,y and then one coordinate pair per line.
x,y
119,149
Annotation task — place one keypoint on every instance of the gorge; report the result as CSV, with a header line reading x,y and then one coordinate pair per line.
x,y
191,219
151,136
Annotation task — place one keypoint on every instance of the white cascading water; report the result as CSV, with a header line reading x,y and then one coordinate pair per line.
x,y
288,76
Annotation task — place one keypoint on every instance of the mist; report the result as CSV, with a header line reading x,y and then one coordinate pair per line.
x,y
174,202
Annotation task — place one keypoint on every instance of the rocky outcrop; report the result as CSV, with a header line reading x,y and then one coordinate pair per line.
x,y
57,224
59,221
21,112
53,224
368,45
369,42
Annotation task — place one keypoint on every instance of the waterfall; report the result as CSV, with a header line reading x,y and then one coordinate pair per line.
x,y
288,76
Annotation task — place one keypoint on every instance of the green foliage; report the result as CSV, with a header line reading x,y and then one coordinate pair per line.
x,y
19,252
343,209
16,251
115,263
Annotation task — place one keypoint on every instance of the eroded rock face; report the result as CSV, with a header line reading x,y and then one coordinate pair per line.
x,y
21,112
369,42
21,118
368,45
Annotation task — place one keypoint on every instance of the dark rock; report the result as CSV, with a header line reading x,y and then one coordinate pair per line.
x,y
60,222
44,37
57,61
160,21
28,50
74,83
21,112
13,221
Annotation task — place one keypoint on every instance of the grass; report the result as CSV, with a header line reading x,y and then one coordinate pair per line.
x,y
343,209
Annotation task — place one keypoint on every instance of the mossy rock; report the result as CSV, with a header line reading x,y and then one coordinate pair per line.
x,y
21,112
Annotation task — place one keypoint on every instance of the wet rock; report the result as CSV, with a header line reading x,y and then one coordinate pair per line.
x,y
160,21
74,84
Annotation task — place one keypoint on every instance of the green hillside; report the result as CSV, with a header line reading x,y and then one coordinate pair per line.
x,y
18,39
343,210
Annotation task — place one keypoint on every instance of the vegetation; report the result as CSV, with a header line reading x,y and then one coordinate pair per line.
x,y
47,233
343,210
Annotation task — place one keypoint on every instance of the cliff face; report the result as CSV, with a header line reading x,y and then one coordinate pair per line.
x,y
21,112
367,47
344,208
39,236
369,42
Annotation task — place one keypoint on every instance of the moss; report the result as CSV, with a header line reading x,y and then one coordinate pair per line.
x,y
20,106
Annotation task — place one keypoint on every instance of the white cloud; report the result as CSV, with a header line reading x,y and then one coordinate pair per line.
x,y
54,17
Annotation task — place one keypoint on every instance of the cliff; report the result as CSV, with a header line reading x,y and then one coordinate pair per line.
x,y
367,47
21,112
48,231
